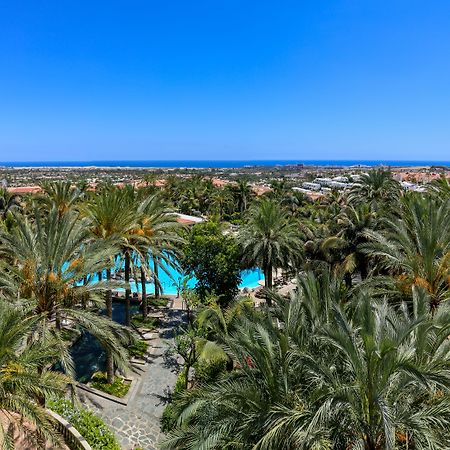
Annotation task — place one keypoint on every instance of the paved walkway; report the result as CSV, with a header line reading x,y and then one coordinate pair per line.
x,y
137,424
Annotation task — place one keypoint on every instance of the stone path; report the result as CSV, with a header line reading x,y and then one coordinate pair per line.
x,y
137,424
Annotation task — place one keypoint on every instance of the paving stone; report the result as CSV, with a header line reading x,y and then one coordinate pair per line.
x,y
137,424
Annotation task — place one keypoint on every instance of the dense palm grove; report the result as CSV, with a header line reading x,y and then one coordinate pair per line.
x,y
356,356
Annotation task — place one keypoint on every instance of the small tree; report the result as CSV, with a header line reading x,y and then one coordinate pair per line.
x,y
214,260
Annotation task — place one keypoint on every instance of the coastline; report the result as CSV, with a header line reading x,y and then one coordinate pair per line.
x,y
220,164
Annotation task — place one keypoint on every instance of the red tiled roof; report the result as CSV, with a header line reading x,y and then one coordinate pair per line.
x,y
185,221
24,189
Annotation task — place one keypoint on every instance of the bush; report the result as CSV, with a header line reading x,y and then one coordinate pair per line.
x,y
119,387
149,322
169,418
91,427
159,302
207,371
180,385
138,349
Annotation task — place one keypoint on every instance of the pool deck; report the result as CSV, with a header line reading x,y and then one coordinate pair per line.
x,y
137,423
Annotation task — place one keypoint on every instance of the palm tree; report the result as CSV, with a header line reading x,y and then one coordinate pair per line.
x,y
351,225
157,230
8,202
243,194
280,189
45,261
440,188
26,380
293,201
376,188
415,247
60,194
127,236
111,220
372,378
270,239
220,201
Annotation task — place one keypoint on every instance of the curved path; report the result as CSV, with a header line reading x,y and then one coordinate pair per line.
x,y
136,425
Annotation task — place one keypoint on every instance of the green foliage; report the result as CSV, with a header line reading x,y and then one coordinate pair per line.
x,y
25,376
138,349
181,383
148,322
118,388
169,418
208,371
91,427
160,302
214,259
325,371
271,239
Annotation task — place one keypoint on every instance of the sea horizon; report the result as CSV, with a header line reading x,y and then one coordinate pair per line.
x,y
217,164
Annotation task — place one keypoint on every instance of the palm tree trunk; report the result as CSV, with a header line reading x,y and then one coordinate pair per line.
x,y
127,290
268,278
156,276
144,293
108,296
109,361
100,276
268,283
348,279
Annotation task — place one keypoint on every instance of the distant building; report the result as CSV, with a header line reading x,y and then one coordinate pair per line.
x,y
311,186
188,220
20,190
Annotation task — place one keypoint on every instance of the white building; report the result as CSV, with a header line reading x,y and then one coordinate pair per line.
x,y
311,186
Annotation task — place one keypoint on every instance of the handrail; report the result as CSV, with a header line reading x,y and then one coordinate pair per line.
x,y
73,439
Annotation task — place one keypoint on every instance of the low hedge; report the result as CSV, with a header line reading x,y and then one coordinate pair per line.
x,y
138,349
119,387
149,322
91,427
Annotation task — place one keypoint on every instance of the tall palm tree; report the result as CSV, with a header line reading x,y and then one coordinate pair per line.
x,y
25,379
270,239
415,247
44,263
158,240
350,227
111,220
377,187
243,194
220,201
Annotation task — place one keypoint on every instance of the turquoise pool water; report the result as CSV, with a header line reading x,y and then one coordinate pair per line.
x,y
170,278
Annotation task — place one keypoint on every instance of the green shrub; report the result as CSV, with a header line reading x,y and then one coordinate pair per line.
x,y
207,371
180,385
119,387
158,302
138,349
169,418
91,427
149,322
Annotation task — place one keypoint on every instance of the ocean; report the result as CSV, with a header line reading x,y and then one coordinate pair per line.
x,y
219,163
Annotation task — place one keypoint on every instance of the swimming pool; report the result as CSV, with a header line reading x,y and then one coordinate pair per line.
x,y
170,278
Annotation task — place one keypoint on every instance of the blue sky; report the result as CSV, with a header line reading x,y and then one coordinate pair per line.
x,y
224,79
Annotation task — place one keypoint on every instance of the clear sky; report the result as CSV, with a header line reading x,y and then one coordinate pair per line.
x,y
224,79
